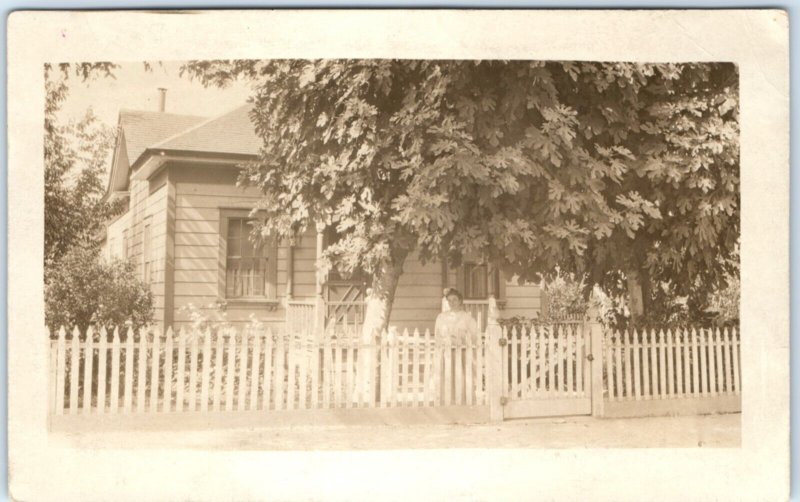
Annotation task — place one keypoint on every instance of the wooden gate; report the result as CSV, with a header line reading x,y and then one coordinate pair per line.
x,y
546,370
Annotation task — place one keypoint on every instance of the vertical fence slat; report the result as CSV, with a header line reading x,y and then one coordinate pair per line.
x,y
219,348
193,356
205,377
627,361
314,369
718,353
561,348
241,395
637,375
705,374
255,370
670,365
608,348
580,357
268,384
417,382
74,368
514,361
337,373
279,363
61,369
469,386
128,401
180,383
458,367
155,363
404,370
480,365
230,370
662,363
327,363
291,367
551,360
653,339
712,363
727,353
88,359
168,371
448,370
618,364
646,337
679,345
115,356
735,340
695,365
383,347
101,370
541,366
438,355
374,354
141,386
349,394
569,347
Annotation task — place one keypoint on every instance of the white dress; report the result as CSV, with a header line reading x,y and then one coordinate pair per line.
x,y
459,325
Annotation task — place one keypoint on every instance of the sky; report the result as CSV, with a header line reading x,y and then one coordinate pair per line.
x,y
137,89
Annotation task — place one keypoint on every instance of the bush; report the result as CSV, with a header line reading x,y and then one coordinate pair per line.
x,y
81,289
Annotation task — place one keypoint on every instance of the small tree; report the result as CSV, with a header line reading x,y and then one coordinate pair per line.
x,y
81,290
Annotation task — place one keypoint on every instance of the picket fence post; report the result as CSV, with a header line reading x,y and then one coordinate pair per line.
x,y
494,362
595,330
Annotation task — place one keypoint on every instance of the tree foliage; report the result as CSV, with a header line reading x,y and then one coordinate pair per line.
x,y
75,162
610,169
85,290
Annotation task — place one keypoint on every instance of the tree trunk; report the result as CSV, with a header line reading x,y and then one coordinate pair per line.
x,y
381,297
376,319
635,301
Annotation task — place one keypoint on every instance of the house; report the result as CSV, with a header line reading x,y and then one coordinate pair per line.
x,y
185,228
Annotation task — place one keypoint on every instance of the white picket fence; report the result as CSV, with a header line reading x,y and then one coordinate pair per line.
x,y
198,371
572,367
671,371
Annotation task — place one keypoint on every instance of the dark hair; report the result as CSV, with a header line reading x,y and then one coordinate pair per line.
x,y
454,291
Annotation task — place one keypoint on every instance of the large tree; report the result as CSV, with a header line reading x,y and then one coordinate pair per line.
x,y
75,161
619,170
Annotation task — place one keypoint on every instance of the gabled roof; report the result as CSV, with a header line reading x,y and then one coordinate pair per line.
x,y
143,133
144,129
230,133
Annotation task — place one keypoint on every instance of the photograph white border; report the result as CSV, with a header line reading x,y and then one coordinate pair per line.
x,y
756,40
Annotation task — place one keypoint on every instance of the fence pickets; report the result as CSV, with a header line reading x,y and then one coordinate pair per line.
x,y
671,364
154,371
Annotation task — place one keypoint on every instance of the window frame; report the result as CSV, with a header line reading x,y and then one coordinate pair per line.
x,y
270,296
498,290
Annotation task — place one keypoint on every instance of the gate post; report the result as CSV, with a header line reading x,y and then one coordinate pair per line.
x,y
595,356
494,363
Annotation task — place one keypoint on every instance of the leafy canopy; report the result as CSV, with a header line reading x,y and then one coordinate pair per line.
x,y
599,168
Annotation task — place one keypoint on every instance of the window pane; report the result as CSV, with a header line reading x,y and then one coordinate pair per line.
x,y
234,228
247,243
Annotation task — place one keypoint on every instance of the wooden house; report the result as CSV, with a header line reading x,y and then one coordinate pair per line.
x,y
185,228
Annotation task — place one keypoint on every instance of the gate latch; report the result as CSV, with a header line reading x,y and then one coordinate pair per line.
x,y
503,342
590,357
503,400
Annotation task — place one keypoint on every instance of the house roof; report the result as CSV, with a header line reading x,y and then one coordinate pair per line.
x,y
230,133
144,129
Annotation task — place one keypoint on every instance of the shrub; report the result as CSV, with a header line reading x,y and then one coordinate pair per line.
x,y
81,290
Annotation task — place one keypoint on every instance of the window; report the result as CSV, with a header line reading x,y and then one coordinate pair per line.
x,y
147,258
250,268
480,280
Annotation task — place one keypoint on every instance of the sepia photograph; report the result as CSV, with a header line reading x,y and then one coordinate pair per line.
x,y
409,254
398,241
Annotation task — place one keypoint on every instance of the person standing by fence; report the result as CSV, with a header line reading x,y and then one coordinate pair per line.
x,y
454,327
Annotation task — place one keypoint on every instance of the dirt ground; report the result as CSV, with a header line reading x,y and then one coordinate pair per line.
x,y
707,431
